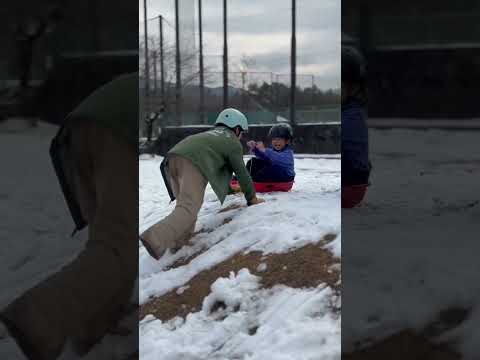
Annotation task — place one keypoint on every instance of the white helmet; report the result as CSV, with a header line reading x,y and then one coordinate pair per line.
x,y
232,118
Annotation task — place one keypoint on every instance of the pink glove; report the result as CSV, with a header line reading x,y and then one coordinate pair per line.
x,y
260,146
251,144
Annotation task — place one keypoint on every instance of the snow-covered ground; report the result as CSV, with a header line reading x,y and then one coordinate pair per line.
x,y
412,250
35,223
292,324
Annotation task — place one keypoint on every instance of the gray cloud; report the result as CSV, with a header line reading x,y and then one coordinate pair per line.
x,y
261,30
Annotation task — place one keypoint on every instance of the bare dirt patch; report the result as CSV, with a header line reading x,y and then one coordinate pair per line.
x,y
305,267
408,344
405,345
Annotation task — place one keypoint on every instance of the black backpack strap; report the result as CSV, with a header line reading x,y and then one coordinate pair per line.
x,y
163,170
55,154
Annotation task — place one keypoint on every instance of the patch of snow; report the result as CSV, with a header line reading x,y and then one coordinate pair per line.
x,y
278,323
231,291
182,289
262,267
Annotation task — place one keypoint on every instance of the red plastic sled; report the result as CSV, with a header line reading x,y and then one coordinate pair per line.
x,y
269,186
353,195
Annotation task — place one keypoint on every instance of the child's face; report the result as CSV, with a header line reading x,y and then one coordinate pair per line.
x,y
279,143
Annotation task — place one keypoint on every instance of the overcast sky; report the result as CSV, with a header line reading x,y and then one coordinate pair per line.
x,y
260,30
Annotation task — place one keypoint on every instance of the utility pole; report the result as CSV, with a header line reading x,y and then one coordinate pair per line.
x,y
277,93
293,63
155,75
162,69
272,90
178,92
147,70
200,60
244,91
313,93
225,56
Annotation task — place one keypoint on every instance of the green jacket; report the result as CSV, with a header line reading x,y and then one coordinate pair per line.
x,y
217,153
114,105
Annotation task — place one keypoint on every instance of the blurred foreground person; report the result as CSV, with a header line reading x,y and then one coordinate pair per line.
x,y
355,160
95,157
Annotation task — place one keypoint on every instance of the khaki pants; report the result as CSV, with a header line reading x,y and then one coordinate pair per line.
x,y
86,298
188,186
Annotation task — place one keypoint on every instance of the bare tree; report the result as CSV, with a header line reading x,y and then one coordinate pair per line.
x,y
188,64
188,69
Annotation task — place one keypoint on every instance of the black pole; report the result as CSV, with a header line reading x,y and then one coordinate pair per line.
x,y
178,92
162,70
225,56
200,60
293,62
272,94
244,91
272,90
147,70
155,74
313,94
277,93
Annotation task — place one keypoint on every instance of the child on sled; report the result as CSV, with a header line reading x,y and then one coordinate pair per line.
x,y
274,164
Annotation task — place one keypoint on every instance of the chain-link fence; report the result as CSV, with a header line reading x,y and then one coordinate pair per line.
x,y
263,97
174,85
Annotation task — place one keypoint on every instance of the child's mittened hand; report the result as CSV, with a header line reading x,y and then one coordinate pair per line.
x,y
260,146
251,144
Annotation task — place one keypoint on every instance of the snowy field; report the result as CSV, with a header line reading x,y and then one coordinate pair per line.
x,y
292,324
433,208
412,249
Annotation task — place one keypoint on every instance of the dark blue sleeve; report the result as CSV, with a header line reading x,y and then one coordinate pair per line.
x,y
260,154
280,158
354,139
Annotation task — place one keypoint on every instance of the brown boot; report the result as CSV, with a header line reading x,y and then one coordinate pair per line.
x,y
151,249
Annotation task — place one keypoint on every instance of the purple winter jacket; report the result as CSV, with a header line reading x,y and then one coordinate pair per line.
x,y
281,162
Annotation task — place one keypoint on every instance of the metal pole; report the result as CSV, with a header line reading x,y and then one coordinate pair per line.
x,y
155,75
147,70
162,70
272,90
178,92
313,94
244,91
272,94
293,62
225,56
277,93
200,60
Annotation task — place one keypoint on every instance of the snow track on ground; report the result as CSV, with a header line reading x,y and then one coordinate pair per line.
x,y
286,221
279,323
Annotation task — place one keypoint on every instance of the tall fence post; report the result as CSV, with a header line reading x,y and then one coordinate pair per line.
x,y
155,74
293,62
147,65
225,56
178,87
200,60
162,66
